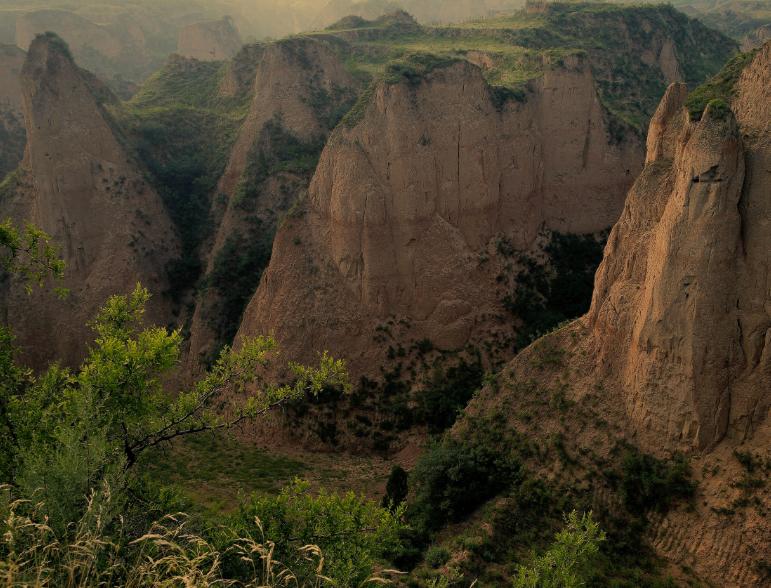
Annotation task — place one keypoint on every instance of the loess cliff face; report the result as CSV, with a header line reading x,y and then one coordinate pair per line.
x,y
410,197
79,185
296,87
12,134
675,355
681,308
209,41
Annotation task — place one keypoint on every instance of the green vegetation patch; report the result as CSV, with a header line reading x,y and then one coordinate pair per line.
x,y
214,470
182,130
548,293
236,272
414,67
513,50
648,483
277,150
720,89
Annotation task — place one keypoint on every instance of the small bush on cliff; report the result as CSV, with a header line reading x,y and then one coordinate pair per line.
x,y
568,562
650,483
720,87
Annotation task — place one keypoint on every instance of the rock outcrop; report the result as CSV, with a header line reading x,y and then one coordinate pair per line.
x,y
209,41
12,135
80,185
408,200
296,87
681,305
675,353
756,38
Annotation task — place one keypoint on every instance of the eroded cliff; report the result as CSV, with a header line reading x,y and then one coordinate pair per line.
x,y
674,353
411,195
79,184
299,89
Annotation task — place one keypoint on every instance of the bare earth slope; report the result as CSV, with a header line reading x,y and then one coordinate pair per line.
x,y
407,200
79,185
675,352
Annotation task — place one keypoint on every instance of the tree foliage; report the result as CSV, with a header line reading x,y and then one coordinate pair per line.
x,y
73,431
567,563
28,254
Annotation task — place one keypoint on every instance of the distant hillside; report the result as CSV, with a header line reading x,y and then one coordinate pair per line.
x,y
746,21
12,134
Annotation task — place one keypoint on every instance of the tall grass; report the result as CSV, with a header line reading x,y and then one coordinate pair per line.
x,y
97,553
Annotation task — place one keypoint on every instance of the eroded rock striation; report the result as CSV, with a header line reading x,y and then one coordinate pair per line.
x,y
681,305
416,184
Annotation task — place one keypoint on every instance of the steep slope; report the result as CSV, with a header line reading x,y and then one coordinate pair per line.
x,y
79,185
674,353
300,89
411,196
445,181
209,41
12,135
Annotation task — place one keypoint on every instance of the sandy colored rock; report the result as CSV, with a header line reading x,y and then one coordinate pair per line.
x,y
675,353
404,203
289,75
81,187
681,308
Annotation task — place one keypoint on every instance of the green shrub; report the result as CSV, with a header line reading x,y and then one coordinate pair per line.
x,y
719,89
396,488
454,476
568,562
650,483
437,556
448,391
549,294
353,533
